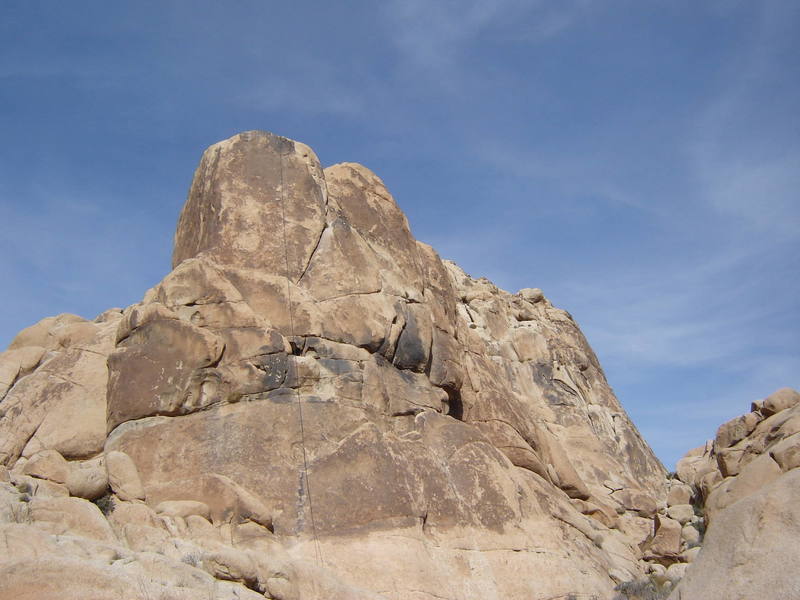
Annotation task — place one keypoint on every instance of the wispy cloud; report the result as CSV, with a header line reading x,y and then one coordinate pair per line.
x,y
696,314
433,36
744,147
763,195
582,171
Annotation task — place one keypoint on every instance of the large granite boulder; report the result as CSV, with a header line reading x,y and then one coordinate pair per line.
x,y
750,548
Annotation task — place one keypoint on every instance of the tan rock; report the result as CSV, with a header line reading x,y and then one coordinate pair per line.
x,y
19,540
636,529
133,513
61,407
708,482
754,476
47,333
787,452
744,543
532,295
682,513
88,479
602,513
729,461
243,191
368,206
156,368
123,476
48,464
9,369
341,243
679,493
643,504
781,400
690,535
567,477
792,425
529,344
62,577
199,284
202,530
234,565
38,487
666,541
18,363
72,516
658,571
735,430
696,464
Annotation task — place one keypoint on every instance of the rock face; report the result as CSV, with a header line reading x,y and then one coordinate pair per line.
x,y
746,484
313,404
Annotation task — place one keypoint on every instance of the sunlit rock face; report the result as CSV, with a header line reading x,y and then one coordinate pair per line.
x,y
313,404
745,483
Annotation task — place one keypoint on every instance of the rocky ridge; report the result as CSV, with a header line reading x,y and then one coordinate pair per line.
x,y
313,404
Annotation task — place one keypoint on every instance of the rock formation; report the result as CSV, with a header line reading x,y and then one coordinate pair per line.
x,y
746,484
313,404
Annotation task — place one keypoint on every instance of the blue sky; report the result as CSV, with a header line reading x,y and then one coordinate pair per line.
x,y
638,161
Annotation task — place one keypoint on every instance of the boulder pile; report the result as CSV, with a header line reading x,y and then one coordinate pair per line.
x,y
746,484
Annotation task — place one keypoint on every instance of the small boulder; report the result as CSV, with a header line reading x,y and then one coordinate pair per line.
x,y
679,493
232,565
88,479
735,430
598,511
38,487
123,476
532,295
787,452
695,464
709,481
682,513
667,539
690,535
70,516
729,461
47,464
781,400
